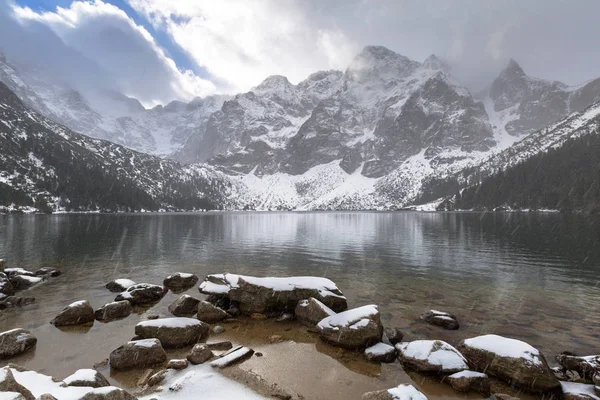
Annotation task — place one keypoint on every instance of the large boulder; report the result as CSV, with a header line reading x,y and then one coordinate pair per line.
x,y
434,356
113,310
6,287
142,293
400,392
210,314
8,383
180,281
184,306
511,360
357,328
119,285
272,296
173,332
16,341
470,381
138,354
86,378
108,393
309,312
381,352
77,313
585,366
578,391
440,318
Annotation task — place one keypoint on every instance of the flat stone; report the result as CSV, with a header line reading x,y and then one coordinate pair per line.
x,y
234,356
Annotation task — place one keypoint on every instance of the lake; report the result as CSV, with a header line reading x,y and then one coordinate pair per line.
x,y
529,276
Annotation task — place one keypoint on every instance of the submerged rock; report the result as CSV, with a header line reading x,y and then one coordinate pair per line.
x,y
272,295
311,311
119,285
200,354
138,354
8,383
16,341
77,313
357,328
15,301
142,293
210,314
173,332
48,272
234,356
469,381
180,281
512,360
392,335
114,310
184,306
381,352
86,377
431,356
400,392
586,366
440,318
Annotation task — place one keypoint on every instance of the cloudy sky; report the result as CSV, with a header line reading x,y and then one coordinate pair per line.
x,y
161,50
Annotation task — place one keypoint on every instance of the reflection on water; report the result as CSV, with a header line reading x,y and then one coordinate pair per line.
x,y
533,277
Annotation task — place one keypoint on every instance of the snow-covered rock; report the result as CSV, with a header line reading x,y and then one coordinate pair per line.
x,y
209,313
311,311
24,281
138,354
431,356
113,310
184,306
77,313
173,332
440,318
142,293
355,328
9,384
381,352
272,294
119,285
233,356
86,377
512,360
469,381
579,391
180,281
586,367
400,392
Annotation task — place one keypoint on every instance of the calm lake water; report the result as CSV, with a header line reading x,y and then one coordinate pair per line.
x,y
533,277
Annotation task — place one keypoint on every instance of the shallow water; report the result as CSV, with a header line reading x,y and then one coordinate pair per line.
x,y
529,276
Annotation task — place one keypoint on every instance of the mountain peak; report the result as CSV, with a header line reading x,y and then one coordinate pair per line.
x,y
380,63
272,82
434,63
513,68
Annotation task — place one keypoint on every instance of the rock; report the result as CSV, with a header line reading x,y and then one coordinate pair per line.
x,y
273,295
177,364
440,318
578,391
8,383
184,306
285,317
400,392
309,312
142,293
233,356
24,281
180,281
381,352
511,360
77,313
210,314
503,396
11,272
15,301
233,311
173,332
86,377
586,366
46,396
138,354
470,381
392,335
108,393
48,272
145,377
353,329
6,287
113,310
200,353
119,285
218,329
152,316
431,356
16,341
157,378
220,345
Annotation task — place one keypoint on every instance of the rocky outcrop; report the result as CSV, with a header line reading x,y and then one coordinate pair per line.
x,y
511,360
210,314
173,332
16,341
357,328
586,366
310,312
86,378
180,281
114,310
272,296
381,352
184,306
199,354
142,293
400,392
8,383
440,318
77,313
119,285
469,381
138,354
433,356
